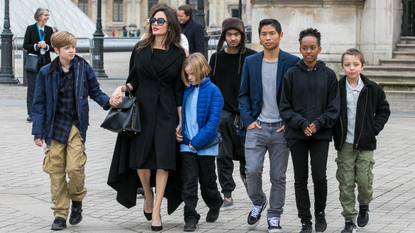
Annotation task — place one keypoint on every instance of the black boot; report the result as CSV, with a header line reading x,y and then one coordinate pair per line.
x,y
191,224
363,217
76,213
58,224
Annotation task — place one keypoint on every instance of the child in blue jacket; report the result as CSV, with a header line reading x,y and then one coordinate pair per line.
x,y
199,137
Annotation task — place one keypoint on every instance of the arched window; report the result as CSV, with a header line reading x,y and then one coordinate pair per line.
x,y
117,15
83,5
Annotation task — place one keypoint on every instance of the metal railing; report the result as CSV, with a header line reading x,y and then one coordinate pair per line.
x,y
117,53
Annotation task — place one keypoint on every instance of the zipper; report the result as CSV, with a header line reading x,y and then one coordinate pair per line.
x,y
363,123
306,94
79,95
80,90
341,129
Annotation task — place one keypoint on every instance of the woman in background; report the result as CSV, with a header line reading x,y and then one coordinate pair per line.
x,y
37,42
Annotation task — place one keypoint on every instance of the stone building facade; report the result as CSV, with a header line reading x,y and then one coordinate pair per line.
x,y
133,13
373,26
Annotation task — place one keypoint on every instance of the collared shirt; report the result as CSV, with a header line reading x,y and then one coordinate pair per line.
x,y
352,96
66,109
191,127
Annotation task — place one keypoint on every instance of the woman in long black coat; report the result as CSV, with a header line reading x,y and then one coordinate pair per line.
x,y
154,78
37,42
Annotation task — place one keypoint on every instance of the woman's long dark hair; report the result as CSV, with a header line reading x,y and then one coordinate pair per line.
x,y
173,31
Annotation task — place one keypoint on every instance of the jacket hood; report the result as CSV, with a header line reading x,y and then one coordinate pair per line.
x,y
232,23
319,65
55,62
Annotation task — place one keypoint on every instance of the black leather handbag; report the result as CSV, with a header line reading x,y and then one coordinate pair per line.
x,y
125,117
31,63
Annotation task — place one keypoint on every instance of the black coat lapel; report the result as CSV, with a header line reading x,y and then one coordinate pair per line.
x,y
172,54
144,57
188,26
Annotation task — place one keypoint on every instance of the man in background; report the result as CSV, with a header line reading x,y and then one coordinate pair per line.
x,y
191,29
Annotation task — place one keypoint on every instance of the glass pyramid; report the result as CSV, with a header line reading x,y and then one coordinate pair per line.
x,y
64,15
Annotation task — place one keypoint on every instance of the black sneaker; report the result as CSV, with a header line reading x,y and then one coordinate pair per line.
x,y
255,214
58,224
76,213
274,225
190,224
349,227
321,224
363,217
307,227
212,215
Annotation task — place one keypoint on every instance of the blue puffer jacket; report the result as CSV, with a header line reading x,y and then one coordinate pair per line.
x,y
46,94
209,107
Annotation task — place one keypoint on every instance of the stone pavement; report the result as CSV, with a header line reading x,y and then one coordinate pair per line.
x,y
25,195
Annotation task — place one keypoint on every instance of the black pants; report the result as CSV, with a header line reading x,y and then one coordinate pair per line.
x,y
231,148
196,167
318,154
31,84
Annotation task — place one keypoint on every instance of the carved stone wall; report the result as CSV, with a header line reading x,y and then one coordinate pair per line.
x,y
370,25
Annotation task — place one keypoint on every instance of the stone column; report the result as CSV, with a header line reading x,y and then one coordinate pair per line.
x,y
380,29
248,12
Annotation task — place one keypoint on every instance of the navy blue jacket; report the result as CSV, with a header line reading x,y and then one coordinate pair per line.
x,y
46,94
209,107
194,34
250,93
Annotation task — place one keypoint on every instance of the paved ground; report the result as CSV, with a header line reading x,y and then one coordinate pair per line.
x,y
25,196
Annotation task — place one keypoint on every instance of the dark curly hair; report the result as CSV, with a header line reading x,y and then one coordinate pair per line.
x,y
310,32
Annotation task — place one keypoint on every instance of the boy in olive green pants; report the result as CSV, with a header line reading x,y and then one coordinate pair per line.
x,y
364,111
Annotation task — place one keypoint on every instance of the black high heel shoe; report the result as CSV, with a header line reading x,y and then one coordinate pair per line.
x,y
157,228
148,215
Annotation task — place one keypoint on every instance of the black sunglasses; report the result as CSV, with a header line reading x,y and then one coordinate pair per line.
x,y
160,21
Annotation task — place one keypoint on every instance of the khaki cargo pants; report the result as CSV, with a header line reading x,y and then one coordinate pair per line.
x,y
354,167
68,159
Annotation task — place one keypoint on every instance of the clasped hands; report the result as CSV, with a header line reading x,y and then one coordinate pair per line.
x,y
310,130
41,44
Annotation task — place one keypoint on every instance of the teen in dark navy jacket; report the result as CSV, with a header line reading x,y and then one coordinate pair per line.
x,y
202,106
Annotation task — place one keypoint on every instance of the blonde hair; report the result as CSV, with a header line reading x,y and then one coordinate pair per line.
x,y
62,39
199,66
